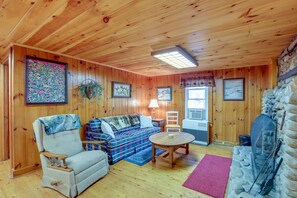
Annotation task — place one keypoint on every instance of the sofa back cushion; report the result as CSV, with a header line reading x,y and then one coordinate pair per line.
x,y
118,122
66,142
130,128
134,119
95,124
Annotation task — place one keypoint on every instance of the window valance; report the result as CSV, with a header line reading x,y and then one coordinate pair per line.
x,y
204,81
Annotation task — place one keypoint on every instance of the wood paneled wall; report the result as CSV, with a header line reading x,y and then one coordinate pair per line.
x,y
227,119
2,139
25,156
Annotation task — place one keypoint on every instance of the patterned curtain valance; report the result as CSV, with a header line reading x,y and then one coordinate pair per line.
x,y
206,81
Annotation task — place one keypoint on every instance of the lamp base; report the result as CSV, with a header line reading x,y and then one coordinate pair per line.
x,y
153,113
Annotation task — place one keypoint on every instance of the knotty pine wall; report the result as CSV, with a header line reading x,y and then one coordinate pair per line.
x,y
2,139
227,119
24,153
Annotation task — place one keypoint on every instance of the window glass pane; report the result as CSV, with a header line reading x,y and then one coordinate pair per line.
x,y
195,94
196,104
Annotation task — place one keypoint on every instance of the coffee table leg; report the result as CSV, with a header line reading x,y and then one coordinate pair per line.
x,y
187,149
153,153
171,149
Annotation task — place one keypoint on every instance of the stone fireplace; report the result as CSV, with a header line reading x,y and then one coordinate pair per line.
x,y
286,104
285,110
279,104
250,161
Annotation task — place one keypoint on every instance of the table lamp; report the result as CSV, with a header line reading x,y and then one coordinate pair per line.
x,y
154,105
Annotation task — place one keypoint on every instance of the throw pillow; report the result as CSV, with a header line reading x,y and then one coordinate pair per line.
x,y
107,129
145,121
118,122
134,119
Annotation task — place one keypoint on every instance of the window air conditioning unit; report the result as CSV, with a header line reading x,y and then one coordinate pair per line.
x,y
199,129
197,114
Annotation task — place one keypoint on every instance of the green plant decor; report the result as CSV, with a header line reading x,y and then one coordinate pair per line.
x,y
90,90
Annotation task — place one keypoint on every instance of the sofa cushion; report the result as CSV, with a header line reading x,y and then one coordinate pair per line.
x,y
134,119
95,124
131,136
145,121
135,127
118,122
84,160
107,129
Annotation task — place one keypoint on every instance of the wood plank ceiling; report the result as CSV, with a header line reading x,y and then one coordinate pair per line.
x,y
219,34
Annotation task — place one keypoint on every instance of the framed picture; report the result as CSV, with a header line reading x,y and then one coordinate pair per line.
x,y
164,93
121,90
233,89
46,81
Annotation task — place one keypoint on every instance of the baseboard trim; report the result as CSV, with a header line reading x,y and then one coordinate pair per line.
x,y
26,169
200,143
225,143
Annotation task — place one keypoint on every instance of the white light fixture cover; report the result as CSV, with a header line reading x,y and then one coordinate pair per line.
x,y
153,104
176,57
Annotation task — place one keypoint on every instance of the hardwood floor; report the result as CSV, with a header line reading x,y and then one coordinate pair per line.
x,y
124,180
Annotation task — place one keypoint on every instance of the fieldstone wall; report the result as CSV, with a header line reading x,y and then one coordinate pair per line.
x,y
286,100
241,176
268,101
288,58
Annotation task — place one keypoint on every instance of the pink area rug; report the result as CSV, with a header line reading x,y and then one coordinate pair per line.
x,y
210,177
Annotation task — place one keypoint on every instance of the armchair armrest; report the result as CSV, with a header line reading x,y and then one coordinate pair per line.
x,y
53,155
55,161
93,143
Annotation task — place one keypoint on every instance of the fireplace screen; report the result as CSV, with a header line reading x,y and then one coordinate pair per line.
x,y
263,139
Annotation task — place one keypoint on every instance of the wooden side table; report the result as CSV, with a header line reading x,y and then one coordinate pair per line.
x,y
161,122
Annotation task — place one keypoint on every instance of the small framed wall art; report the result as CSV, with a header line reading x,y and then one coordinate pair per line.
x,y
233,89
121,90
46,81
164,93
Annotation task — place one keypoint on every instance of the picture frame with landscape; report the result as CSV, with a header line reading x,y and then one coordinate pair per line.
x,y
233,89
164,93
121,90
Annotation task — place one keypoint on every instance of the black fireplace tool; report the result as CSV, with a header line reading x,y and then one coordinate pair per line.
x,y
270,159
267,184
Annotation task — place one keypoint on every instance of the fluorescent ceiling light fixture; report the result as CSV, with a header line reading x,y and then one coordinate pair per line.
x,y
176,57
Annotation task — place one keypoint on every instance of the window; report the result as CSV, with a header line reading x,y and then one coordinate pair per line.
x,y
196,103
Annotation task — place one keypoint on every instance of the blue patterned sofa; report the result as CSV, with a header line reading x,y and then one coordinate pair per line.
x,y
128,140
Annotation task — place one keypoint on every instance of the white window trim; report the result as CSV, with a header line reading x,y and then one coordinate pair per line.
x,y
206,101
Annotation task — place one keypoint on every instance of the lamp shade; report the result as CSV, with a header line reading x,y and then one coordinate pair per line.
x,y
153,103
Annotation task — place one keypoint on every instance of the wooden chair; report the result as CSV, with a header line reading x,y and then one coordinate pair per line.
x,y
172,122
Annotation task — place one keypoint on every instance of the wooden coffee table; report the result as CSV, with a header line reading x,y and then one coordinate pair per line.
x,y
170,142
